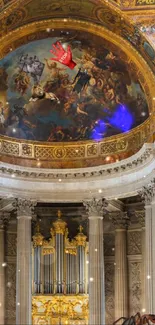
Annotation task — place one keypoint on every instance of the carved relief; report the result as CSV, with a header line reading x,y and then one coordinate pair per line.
x,y
148,193
95,207
109,245
11,294
140,215
24,207
109,292
11,243
120,220
134,243
135,290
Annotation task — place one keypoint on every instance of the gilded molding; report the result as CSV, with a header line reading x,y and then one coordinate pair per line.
x,y
74,307
140,159
80,237
38,237
59,225
47,251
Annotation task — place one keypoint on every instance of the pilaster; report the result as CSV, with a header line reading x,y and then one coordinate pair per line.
x,y
120,222
95,208
25,209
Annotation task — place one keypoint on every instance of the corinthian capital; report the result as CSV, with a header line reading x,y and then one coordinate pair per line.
x,y
120,220
95,207
4,219
24,207
147,193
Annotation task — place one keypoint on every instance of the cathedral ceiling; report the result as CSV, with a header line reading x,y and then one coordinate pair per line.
x,y
67,21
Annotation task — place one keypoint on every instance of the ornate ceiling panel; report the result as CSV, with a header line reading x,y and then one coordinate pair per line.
x,y
131,142
26,21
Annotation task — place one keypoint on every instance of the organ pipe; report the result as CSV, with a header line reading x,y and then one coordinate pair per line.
x,y
81,260
59,264
37,242
59,227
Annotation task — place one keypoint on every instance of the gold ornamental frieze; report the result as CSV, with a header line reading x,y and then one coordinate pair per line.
x,y
60,309
47,251
94,153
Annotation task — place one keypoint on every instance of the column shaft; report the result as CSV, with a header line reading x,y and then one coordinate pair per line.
x,y
148,260
121,277
153,256
23,287
143,305
96,272
2,279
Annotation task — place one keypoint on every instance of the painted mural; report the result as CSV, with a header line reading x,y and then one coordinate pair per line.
x,y
68,87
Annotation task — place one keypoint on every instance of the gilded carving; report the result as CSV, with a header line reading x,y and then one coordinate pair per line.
x,y
38,237
59,225
47,251
62,308
80,237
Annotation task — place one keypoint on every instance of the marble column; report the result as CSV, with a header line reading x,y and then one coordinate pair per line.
x,y
141,220
121,274
4,217
95,208
24,265
148,194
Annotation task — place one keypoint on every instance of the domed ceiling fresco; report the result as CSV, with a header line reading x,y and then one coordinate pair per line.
x,y
69,87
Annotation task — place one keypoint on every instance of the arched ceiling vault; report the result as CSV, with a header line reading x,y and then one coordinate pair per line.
x,y
104,12
27,20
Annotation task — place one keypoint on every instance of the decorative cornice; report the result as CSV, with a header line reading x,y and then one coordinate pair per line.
x,y
95,207
120,220
141,158
24,207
